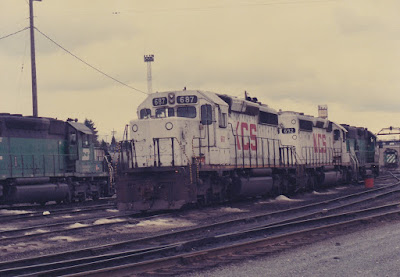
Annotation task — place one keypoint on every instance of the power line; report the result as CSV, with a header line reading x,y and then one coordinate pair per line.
x,y
222,7
91,66
9,35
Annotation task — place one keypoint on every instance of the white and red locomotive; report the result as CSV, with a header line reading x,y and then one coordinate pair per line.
x,y
198,147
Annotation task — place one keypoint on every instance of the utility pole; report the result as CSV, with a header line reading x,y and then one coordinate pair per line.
x,y
33,60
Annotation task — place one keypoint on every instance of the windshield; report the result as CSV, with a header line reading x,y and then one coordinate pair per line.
x,y
145,113
161,113
188,111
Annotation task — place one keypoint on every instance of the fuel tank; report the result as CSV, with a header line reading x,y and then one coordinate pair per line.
x,y
252,186
332,177
39,193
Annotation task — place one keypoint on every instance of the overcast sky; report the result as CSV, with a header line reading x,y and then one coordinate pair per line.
x,y
290,54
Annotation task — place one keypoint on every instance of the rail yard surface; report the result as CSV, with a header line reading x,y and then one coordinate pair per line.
x,y
371,251
96,239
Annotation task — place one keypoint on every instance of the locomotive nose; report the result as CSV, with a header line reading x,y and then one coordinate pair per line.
x,y
161,142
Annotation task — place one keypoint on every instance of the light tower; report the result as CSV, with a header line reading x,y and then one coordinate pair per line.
x,y
149,59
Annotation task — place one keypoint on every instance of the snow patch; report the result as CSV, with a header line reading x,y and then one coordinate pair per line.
x,y
67,216
112,210
284,198
264,202
322,193
64,238
106,221
341,188
165,222
37,231
129,225
233,210
14,212
77,225
5,228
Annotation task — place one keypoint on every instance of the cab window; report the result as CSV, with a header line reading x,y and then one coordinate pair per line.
x,y
85,140
188,111
336,134
145,113
222,119
72,138
171,112
160,113
206,114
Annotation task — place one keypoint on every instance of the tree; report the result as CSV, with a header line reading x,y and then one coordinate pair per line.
x,y
104,145
90,124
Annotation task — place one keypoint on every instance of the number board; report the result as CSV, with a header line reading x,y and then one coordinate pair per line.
x,y
159,101
187,99
288,130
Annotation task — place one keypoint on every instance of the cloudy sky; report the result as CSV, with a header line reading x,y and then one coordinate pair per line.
x,y
291,54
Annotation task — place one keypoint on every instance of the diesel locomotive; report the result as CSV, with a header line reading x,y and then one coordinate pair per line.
x,y
390,158
45,159
189,147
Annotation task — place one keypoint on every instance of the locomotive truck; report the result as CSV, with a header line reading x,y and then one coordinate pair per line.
x,y
194,146
45,159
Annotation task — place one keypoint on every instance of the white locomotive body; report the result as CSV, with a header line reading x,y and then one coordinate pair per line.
x,y
199,147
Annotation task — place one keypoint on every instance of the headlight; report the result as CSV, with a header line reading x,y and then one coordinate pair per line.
x,y
169,125
171,98
135,128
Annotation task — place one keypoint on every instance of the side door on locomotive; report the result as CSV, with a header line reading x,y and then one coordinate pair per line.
x,y
211,146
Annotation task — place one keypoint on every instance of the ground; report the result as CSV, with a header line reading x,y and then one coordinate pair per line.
x,y
368,252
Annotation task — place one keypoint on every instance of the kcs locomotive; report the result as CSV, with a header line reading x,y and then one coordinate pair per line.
x,y
45,159
200,147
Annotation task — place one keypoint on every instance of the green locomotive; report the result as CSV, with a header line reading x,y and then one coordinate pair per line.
x,y
363,148
45,159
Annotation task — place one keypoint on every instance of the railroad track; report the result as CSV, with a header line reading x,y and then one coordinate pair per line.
x,y
53,212
90,223
151,248
177,263
37,207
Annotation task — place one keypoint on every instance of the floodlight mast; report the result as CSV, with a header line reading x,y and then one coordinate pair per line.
x,y
149,59
33,60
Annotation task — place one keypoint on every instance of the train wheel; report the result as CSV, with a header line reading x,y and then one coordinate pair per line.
x,y
95,196
284,186
82,197
291,185
200,200
310,182
67,199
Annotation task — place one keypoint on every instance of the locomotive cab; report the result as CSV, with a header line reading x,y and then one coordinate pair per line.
x,y
175,127
83,159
